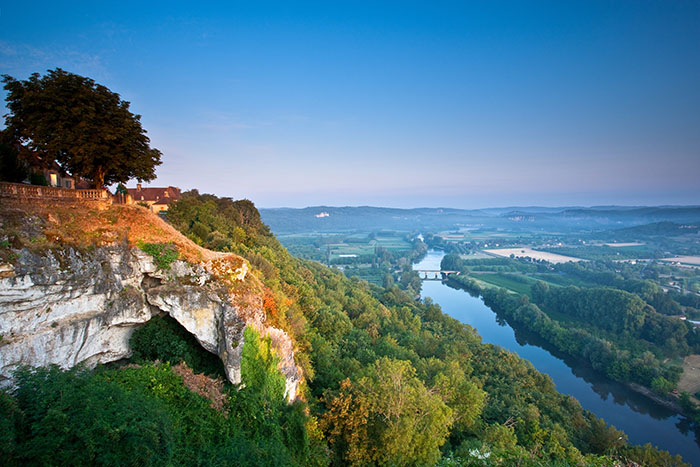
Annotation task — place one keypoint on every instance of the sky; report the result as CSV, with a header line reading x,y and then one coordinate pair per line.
x,y
456,104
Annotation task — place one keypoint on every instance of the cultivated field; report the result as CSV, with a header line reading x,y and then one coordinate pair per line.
x,y
618,245
690,378
538,255
476,255
517,283
360,246
694,260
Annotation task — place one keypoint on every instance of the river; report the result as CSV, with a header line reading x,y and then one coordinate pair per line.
x,y
642,419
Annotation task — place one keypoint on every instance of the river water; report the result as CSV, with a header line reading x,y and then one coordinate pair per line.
x,y
642,419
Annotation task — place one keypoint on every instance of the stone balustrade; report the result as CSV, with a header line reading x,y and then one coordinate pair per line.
x,y
20,190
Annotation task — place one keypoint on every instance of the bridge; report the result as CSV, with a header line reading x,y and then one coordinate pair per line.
x,y
437,274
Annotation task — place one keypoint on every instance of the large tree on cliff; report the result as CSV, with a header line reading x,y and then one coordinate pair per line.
x,y
80,124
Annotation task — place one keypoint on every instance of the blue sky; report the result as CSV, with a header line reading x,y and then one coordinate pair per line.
x,y
460,104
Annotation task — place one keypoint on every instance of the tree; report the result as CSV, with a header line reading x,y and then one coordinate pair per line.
x,y
73,418
11,167
451,262
539,291
388,417
83,126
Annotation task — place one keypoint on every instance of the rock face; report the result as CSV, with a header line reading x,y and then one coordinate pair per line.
x,y
67,307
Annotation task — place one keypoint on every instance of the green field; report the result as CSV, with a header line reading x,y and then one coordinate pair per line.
x,y
338,249
554,279
479,235
596,252
322,246
478,254
507,282
362,246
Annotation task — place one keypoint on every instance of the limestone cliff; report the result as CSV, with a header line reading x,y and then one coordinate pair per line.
x,y
68,306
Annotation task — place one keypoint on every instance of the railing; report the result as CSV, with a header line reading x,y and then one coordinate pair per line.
x,y
122,198
20,190
91,194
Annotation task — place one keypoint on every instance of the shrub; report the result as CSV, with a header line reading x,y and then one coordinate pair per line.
x,y
163,253
72,418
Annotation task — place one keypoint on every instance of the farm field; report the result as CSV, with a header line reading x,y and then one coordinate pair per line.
x,y
476,255
391,243
694,260
360,246
342,249
519,284
620,245
479,235
558,280
605,252
324,246
690,378
538,255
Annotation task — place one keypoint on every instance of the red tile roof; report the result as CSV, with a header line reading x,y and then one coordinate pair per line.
x,y
156,195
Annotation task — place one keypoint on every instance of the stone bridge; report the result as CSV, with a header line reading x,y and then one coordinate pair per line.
x,y
435,274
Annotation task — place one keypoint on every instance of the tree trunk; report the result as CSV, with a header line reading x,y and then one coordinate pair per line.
x,y
99,178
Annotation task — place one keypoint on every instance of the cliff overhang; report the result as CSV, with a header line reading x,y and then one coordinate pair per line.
x,y
69,305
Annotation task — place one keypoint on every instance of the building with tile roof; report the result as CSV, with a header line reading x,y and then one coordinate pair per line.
x,y
157,199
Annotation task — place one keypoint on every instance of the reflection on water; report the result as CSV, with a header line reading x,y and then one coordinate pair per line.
x,y
642,419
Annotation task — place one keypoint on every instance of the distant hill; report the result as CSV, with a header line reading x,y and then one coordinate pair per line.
x,y
369,218
365,218
660,228
659,213
605,215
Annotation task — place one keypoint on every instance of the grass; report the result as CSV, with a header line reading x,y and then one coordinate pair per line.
x,y
350,249
557,280
595,252
163,253
364,248
42,225
507,282
316,245
483,235
476,255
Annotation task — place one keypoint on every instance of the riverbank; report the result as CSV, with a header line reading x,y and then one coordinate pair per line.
x,y
642,418
670,402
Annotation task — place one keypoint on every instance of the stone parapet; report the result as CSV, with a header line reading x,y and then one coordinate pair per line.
x,y
21,190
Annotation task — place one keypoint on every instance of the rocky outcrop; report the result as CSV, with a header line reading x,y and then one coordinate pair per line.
x,y
67,307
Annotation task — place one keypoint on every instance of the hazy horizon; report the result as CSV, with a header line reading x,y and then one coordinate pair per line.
x,y
394,104
623,206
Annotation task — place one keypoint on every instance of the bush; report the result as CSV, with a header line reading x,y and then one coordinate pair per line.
x,y
163,253
10,419
72,418
36,178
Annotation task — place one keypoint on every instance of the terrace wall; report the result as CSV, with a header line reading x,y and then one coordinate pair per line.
x,y
21,193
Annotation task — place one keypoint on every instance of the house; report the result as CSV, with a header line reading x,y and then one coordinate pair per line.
x,y
54,174
57,178
157,199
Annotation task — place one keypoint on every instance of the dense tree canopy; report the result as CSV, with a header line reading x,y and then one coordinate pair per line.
x,y
389,417
451,262
218,223
83,126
